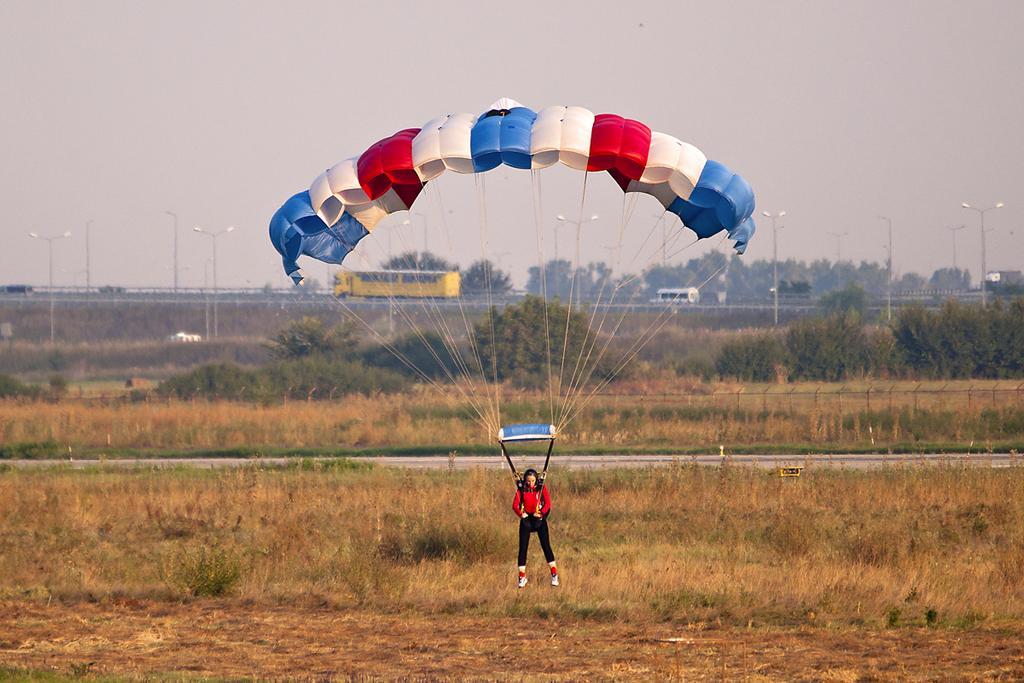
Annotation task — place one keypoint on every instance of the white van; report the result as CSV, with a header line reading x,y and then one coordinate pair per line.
x,y
677,295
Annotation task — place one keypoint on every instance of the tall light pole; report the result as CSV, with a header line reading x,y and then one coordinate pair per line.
x,y
888,278
213,238
953,231
984,271
175,217
206,294
775,261
426,246
49,244
579,224
839,244
88,266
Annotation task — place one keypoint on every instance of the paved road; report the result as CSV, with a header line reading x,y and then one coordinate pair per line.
x,y
577,461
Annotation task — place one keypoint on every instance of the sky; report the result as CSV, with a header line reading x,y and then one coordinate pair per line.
x,y
836,112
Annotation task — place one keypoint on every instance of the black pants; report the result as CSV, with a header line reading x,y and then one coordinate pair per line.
x,y
530,525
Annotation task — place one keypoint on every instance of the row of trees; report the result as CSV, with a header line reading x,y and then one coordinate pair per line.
x,y
958,341
714,272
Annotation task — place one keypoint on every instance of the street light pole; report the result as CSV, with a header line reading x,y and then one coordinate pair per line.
x,y
888,281
579,225
49,244
426,246
775,262
175,217
954,231
984,270
213,236
88,267
839,244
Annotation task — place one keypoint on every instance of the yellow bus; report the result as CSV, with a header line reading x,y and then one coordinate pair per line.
x,y
409,284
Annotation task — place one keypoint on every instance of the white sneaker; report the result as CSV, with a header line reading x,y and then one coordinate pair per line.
x,y
554,580
523,581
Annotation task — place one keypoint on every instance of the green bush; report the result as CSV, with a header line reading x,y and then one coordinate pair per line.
x,y
202,571
828,349
962,341
426,352
12,388
308,336
518,348
213,382
850,299
313,377
756,358
323,378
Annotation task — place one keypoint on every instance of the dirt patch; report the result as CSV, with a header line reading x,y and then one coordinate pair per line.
x,y
231,639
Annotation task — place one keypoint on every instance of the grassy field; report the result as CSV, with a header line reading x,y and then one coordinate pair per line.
x,y
680,417
697,551
686,543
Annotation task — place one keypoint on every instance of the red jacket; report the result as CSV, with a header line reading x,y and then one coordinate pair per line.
x,y
527,499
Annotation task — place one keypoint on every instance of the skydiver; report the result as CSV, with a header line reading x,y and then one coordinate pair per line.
x,y
533,507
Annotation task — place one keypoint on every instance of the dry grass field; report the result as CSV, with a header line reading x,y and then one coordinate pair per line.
x,y
670,416
318,570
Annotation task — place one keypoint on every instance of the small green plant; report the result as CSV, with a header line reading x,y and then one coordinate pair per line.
x,y
203,571
81,669
892,617
931,617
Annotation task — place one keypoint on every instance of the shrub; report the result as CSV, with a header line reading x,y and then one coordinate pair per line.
x,y
203,571
58,386
314,377
756,358
309,337
962,340
12,388
851,299
517,349
214,381
828,349
323,378
427,353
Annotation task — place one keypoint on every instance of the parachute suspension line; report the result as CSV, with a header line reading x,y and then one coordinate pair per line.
x,y
592,336
406,316
442,319
586,369
627,308
481,185
410,321
572,284
634,350
470,334
405,360
538,220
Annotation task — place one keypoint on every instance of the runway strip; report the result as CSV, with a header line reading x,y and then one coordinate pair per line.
x,y
574,461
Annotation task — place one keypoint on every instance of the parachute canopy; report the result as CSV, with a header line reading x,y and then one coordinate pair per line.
x,y
346,202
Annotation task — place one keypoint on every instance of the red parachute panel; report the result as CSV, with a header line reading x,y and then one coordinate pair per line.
x,y
388,162
619,143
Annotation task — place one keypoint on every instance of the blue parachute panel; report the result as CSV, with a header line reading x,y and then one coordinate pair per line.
x,y
720,200
496,140
296,230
